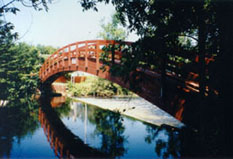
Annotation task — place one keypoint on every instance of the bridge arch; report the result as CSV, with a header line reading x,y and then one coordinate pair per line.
x,y
84,56
80,56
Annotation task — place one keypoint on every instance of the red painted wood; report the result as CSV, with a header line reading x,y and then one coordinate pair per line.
x,y
79,56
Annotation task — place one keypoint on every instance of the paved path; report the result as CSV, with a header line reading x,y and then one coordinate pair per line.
x,y
137,108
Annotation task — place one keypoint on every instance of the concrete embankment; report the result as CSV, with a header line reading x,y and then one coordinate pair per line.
x,y
137,108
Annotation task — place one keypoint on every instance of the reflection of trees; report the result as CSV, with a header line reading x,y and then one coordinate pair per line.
x,y
62,140
71,109
64,109
166,138
109,126
16,121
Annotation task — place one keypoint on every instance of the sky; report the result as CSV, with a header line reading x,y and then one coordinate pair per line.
x,y
64,23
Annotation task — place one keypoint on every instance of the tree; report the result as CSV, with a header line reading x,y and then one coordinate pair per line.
x,y
112,30
161,24
36,4
19,62
6,41
18,71
46,50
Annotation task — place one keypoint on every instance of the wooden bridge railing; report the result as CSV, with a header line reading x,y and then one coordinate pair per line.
x,y
85,56
72,56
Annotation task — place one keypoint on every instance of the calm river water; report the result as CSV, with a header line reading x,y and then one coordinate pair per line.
x,y
65,128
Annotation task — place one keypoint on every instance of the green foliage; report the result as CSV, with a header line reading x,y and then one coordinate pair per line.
x,y
176,39
19,71
99,87
47,50
112,30
19,65
173,33
19,62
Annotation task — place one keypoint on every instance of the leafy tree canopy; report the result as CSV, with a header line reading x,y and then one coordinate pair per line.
x,y
18,71
19,62
47,50
163,25
36,4
112,30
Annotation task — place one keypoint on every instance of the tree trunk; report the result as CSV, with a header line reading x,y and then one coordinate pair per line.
x,y
201,54
225,82
163,71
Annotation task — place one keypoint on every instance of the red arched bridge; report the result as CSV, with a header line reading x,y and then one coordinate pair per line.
x,y
85,56
80,56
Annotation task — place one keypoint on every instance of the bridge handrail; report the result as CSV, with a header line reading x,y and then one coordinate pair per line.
x,y
92,48
86,49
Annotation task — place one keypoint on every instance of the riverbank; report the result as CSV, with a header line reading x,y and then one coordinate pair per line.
x,y
137,108
134,107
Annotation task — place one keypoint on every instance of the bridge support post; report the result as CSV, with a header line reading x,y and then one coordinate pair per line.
x,y
77,56
86,53
69,57
97,57
113,53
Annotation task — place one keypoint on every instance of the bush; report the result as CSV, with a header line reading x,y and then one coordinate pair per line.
x,y
94,86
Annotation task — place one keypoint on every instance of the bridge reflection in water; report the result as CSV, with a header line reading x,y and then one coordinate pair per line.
x,y
54,141
76,129
64,143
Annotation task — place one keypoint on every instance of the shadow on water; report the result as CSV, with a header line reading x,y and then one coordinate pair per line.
x,y
62,140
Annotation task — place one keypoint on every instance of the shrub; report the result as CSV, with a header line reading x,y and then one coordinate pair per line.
x,y
94,86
